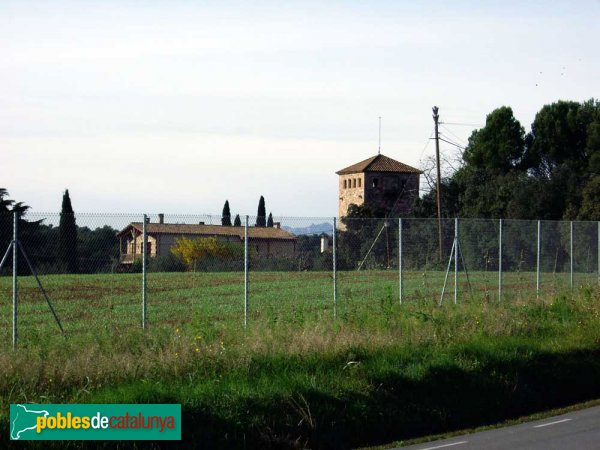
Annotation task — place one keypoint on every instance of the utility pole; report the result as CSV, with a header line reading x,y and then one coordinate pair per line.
x,y
439,183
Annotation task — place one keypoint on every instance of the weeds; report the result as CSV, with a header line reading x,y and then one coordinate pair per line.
x,y
296,377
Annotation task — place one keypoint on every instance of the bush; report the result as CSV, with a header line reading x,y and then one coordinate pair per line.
x,y
167,263
274,264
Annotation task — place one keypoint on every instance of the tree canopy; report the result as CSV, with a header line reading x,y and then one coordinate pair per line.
x,y
67,236
261,215
499,146
194,251
226,215
549,173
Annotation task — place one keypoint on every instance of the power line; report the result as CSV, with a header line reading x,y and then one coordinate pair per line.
x,y
426,144
464,124
452,143
449,142
458,138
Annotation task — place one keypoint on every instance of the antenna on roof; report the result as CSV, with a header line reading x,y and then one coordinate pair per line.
x,y
379,148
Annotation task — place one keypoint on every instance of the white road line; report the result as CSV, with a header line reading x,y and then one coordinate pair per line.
x,y
445,445
551,423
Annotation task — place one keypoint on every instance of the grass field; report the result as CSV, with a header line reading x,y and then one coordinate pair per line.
x,y
92,304
379,372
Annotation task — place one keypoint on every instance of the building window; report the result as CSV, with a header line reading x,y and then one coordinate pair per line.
x,y
375,182
359,182
345,184
354,183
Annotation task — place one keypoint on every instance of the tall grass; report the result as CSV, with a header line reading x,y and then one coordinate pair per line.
x,y
295,377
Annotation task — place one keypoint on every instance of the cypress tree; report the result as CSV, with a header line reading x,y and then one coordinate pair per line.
x,y
237,222
270,221
261,216
226,215
67,236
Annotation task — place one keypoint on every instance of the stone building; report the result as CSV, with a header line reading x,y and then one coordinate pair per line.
x,y
263,242
380,183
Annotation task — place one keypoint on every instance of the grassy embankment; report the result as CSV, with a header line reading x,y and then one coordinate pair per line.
x,y
379,372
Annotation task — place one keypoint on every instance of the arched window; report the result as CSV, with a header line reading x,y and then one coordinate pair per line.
x,y
359,182
354,183
345,184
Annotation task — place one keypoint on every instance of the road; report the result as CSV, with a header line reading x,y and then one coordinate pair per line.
x,y
576,430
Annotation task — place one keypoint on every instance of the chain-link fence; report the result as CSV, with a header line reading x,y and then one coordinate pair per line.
x,y
92,273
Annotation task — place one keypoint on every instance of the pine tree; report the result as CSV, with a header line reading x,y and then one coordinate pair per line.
x,y
237,222
5,220
226,216
261,216
270,221
67,236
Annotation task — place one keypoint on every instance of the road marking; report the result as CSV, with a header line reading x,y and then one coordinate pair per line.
x,y
445,445
551,423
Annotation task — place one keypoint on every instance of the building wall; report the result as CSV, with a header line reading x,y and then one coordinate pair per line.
x,y
384,190
166,241
379,191
134,245
160,245
352,191
269,248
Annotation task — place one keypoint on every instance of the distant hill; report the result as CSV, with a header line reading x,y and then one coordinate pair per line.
x,y
314,228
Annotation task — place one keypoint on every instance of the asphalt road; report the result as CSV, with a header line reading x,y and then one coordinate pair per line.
x,y
576,430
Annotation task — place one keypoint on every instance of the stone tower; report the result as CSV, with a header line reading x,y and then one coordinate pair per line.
x,y
380,183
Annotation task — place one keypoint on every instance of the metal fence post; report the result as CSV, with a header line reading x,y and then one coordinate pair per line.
x,y
400,257
455,260
539,246
144,272
246,258
571,250
334,251
500,261
15,285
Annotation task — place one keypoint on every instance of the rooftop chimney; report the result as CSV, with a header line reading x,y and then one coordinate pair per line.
x,y
161,218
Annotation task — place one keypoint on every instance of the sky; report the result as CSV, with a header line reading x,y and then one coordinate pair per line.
x,y
175,106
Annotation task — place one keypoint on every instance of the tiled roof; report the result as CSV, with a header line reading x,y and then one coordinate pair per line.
x,y
379,163
210,230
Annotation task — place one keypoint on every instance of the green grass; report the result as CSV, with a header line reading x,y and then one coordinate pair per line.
x,y
88,304
379,372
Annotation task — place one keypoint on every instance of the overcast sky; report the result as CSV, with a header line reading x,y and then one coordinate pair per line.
x,y
175,106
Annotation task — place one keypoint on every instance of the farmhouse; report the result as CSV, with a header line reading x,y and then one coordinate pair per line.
x,y
380,183
265,242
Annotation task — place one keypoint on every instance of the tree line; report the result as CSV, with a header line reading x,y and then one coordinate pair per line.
x,y
261,216
69,248
66,248
550,173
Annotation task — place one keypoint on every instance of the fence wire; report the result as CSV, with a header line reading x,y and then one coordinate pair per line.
x,y
91,268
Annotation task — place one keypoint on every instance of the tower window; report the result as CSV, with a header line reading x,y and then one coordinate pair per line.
x,y
354,183
375,182
359,182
